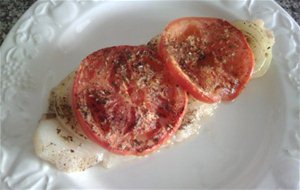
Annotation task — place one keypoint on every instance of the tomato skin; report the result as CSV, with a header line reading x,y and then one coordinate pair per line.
x,y
117,106
229,78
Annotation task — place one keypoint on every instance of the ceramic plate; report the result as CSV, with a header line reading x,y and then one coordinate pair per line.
x,y
251,143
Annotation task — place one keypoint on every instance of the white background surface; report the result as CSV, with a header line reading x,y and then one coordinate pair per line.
x,y
252,142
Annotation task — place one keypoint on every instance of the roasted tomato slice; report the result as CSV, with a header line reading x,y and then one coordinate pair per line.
x,y
208,57
123,101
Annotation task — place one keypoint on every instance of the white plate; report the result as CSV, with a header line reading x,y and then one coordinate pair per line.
x,y
253,142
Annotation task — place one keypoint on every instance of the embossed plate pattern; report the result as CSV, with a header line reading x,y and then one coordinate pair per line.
x,y
252,142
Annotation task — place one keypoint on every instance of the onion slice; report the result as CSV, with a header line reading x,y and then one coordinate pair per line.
x,y
261,41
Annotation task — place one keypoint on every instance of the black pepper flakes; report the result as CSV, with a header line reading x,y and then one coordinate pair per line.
x,y
201,56
58,130
68,138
